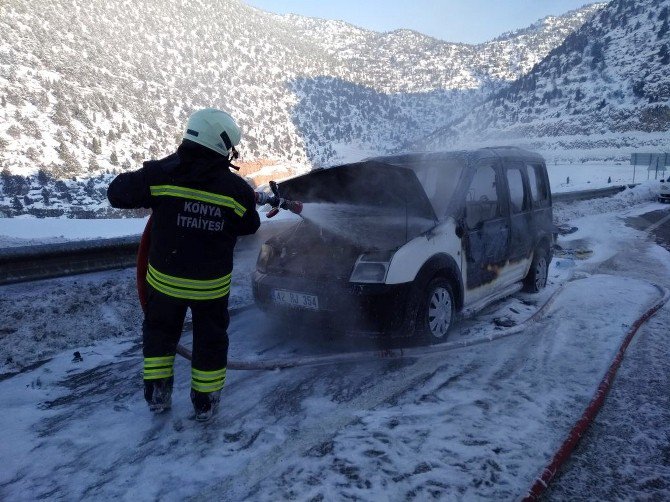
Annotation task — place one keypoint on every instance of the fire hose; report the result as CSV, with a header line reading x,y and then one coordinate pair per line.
x,y
564,451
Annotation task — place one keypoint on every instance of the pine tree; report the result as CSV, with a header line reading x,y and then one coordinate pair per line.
x,y
663,30
93,165
89,189
42,177
597,54
33,154
12,184
114,159
96,147
61,114
16,204
60,186
663,54
45,196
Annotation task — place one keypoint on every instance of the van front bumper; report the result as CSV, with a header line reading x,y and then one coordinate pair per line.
x,y
368,308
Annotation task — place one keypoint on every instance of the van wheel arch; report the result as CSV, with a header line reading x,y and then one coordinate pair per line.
x,y
442,265
438,266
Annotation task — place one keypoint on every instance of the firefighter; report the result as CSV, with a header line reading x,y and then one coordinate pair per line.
x,y
199,209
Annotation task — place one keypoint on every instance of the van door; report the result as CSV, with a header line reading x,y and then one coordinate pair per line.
x,y
540,199
522,224
487,231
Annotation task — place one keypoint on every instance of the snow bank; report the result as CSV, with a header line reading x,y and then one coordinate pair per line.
x,y
26,230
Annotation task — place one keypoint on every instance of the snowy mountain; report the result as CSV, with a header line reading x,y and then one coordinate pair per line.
x,y
605,89
91,86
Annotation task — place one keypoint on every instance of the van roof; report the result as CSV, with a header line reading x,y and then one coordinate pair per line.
x,y
466,157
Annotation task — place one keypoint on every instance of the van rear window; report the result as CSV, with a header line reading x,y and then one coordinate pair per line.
x,y
538,187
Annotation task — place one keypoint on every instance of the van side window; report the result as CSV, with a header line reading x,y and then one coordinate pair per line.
x,y
481,202
538,187
517,196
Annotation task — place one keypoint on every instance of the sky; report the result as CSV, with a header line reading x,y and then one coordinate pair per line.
x,y
467,21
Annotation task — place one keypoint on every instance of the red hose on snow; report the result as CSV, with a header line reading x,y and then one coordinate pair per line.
x,y
578,430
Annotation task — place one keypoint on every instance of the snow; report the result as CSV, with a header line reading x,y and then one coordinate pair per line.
x,y
26,230
589,176
628,441
476,424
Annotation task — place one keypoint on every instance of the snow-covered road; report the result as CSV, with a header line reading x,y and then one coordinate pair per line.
x,y
473,423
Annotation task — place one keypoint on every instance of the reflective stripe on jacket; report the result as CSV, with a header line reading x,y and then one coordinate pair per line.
x,y
199,209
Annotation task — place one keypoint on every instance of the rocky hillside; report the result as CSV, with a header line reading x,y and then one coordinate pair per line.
x,y
606,88
92,86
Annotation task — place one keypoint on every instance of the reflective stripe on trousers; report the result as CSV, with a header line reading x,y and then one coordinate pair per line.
x,y
158,367
208,381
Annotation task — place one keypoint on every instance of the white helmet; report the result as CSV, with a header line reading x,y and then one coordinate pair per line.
x,y
214,129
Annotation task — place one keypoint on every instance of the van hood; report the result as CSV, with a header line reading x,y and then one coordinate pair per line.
x,y
368,184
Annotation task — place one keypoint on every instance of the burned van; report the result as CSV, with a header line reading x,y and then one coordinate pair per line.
x,y
401,244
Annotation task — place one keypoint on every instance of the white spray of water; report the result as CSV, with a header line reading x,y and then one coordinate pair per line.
x,y
366,226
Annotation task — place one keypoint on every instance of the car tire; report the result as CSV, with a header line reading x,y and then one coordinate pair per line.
x,y
536,279
436,311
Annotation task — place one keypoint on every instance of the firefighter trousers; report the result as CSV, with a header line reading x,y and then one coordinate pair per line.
x,y
162,327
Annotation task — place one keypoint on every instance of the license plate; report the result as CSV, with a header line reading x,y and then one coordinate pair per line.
x,y
293,299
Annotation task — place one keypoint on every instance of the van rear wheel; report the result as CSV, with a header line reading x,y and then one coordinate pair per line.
x,y
436,311
538,273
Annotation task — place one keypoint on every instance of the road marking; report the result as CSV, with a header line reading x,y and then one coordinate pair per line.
x,y
660,222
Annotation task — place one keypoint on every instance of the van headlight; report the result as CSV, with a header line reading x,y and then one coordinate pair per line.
x,y
264,257
371,268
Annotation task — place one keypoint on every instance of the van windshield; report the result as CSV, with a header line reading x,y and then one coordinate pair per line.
x,y
439,176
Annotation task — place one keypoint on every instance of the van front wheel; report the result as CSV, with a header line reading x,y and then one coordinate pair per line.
x,y
436,311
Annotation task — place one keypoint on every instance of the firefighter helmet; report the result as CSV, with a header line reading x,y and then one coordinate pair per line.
x,y
214,129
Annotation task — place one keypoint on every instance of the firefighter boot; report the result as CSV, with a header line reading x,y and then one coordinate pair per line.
x,y
158,394
205,404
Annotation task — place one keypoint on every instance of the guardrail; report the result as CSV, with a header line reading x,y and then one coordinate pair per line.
x,y
45,261
31,263
589,194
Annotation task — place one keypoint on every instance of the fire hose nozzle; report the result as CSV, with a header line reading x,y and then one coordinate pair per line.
x,y
290,205
294,206
277,201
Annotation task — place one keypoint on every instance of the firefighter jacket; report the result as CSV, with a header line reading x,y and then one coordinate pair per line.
x,y
199,209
